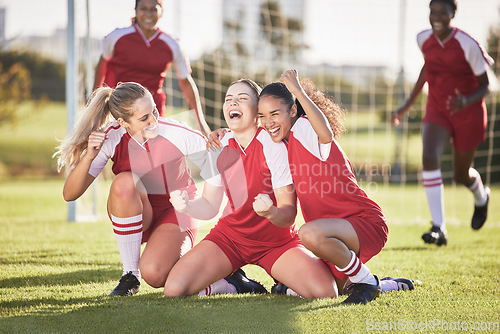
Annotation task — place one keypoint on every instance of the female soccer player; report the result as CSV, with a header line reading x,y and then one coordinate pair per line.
x,y
142,53
257,226
455,70
343,226
149,160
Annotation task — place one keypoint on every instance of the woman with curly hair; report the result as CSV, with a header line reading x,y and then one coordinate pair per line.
x,y
343,226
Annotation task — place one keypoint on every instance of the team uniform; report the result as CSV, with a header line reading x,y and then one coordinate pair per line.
x,y
326,188
454,64
160,163
244,236
130,56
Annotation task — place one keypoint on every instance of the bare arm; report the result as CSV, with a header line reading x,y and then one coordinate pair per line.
x,y
459,101
205,207
100,73
398,114
285,211
79,178
192,95
316,117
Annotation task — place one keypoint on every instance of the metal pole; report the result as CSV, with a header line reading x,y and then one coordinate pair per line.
x,y
71,84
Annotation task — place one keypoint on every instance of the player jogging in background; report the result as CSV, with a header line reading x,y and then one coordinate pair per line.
x,y
142,53
455,70
149,160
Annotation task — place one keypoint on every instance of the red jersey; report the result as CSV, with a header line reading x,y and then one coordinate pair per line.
x,y
452,64
130,56
324,179
244,173
160,162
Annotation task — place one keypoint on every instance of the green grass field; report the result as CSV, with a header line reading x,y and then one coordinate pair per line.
x,y
55,275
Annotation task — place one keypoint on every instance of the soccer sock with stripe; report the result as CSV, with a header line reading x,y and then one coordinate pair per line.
x,y
219,287
357,271
128,234
477,188
433,184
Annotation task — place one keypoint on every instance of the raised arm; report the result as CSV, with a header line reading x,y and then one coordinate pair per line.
x,y
190,91
316,117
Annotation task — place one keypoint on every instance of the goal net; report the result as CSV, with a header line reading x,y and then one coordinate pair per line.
x,y
260,39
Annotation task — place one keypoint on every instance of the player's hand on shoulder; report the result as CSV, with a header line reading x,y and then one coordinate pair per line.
x,y
263,206
96,140
214,139
179,200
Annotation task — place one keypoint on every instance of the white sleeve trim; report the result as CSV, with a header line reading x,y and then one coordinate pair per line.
x,y
276,155
107,150
108,43
305,134
422,37
477,58
180,62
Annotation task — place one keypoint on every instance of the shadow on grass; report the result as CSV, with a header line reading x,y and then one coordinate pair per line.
x,y
70,278
407,248
151,313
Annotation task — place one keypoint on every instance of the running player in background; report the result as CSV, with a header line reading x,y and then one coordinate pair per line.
x,y
142,53
455,70
257,226
149,160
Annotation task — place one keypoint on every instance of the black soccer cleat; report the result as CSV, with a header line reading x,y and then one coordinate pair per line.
x,y
362,293
403,283
243,284
128,285
279,289
435,236
480,213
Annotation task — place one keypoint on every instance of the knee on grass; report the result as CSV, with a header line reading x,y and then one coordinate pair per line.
x,y
153,274
175,288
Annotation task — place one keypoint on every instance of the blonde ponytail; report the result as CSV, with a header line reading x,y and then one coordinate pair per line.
x,y
105,105
95,116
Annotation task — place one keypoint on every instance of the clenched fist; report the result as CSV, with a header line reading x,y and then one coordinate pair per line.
x,y
263,206
179,200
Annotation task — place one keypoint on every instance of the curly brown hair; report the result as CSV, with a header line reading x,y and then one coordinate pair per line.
x,y
333,112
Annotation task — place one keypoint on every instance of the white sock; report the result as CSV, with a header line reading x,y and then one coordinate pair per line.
x,y
433,184
290,292
219,287
477,188
128,234
357,271
389,285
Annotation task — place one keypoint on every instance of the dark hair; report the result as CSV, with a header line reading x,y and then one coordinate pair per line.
x,y
134,19
158,1
333,112
452,3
